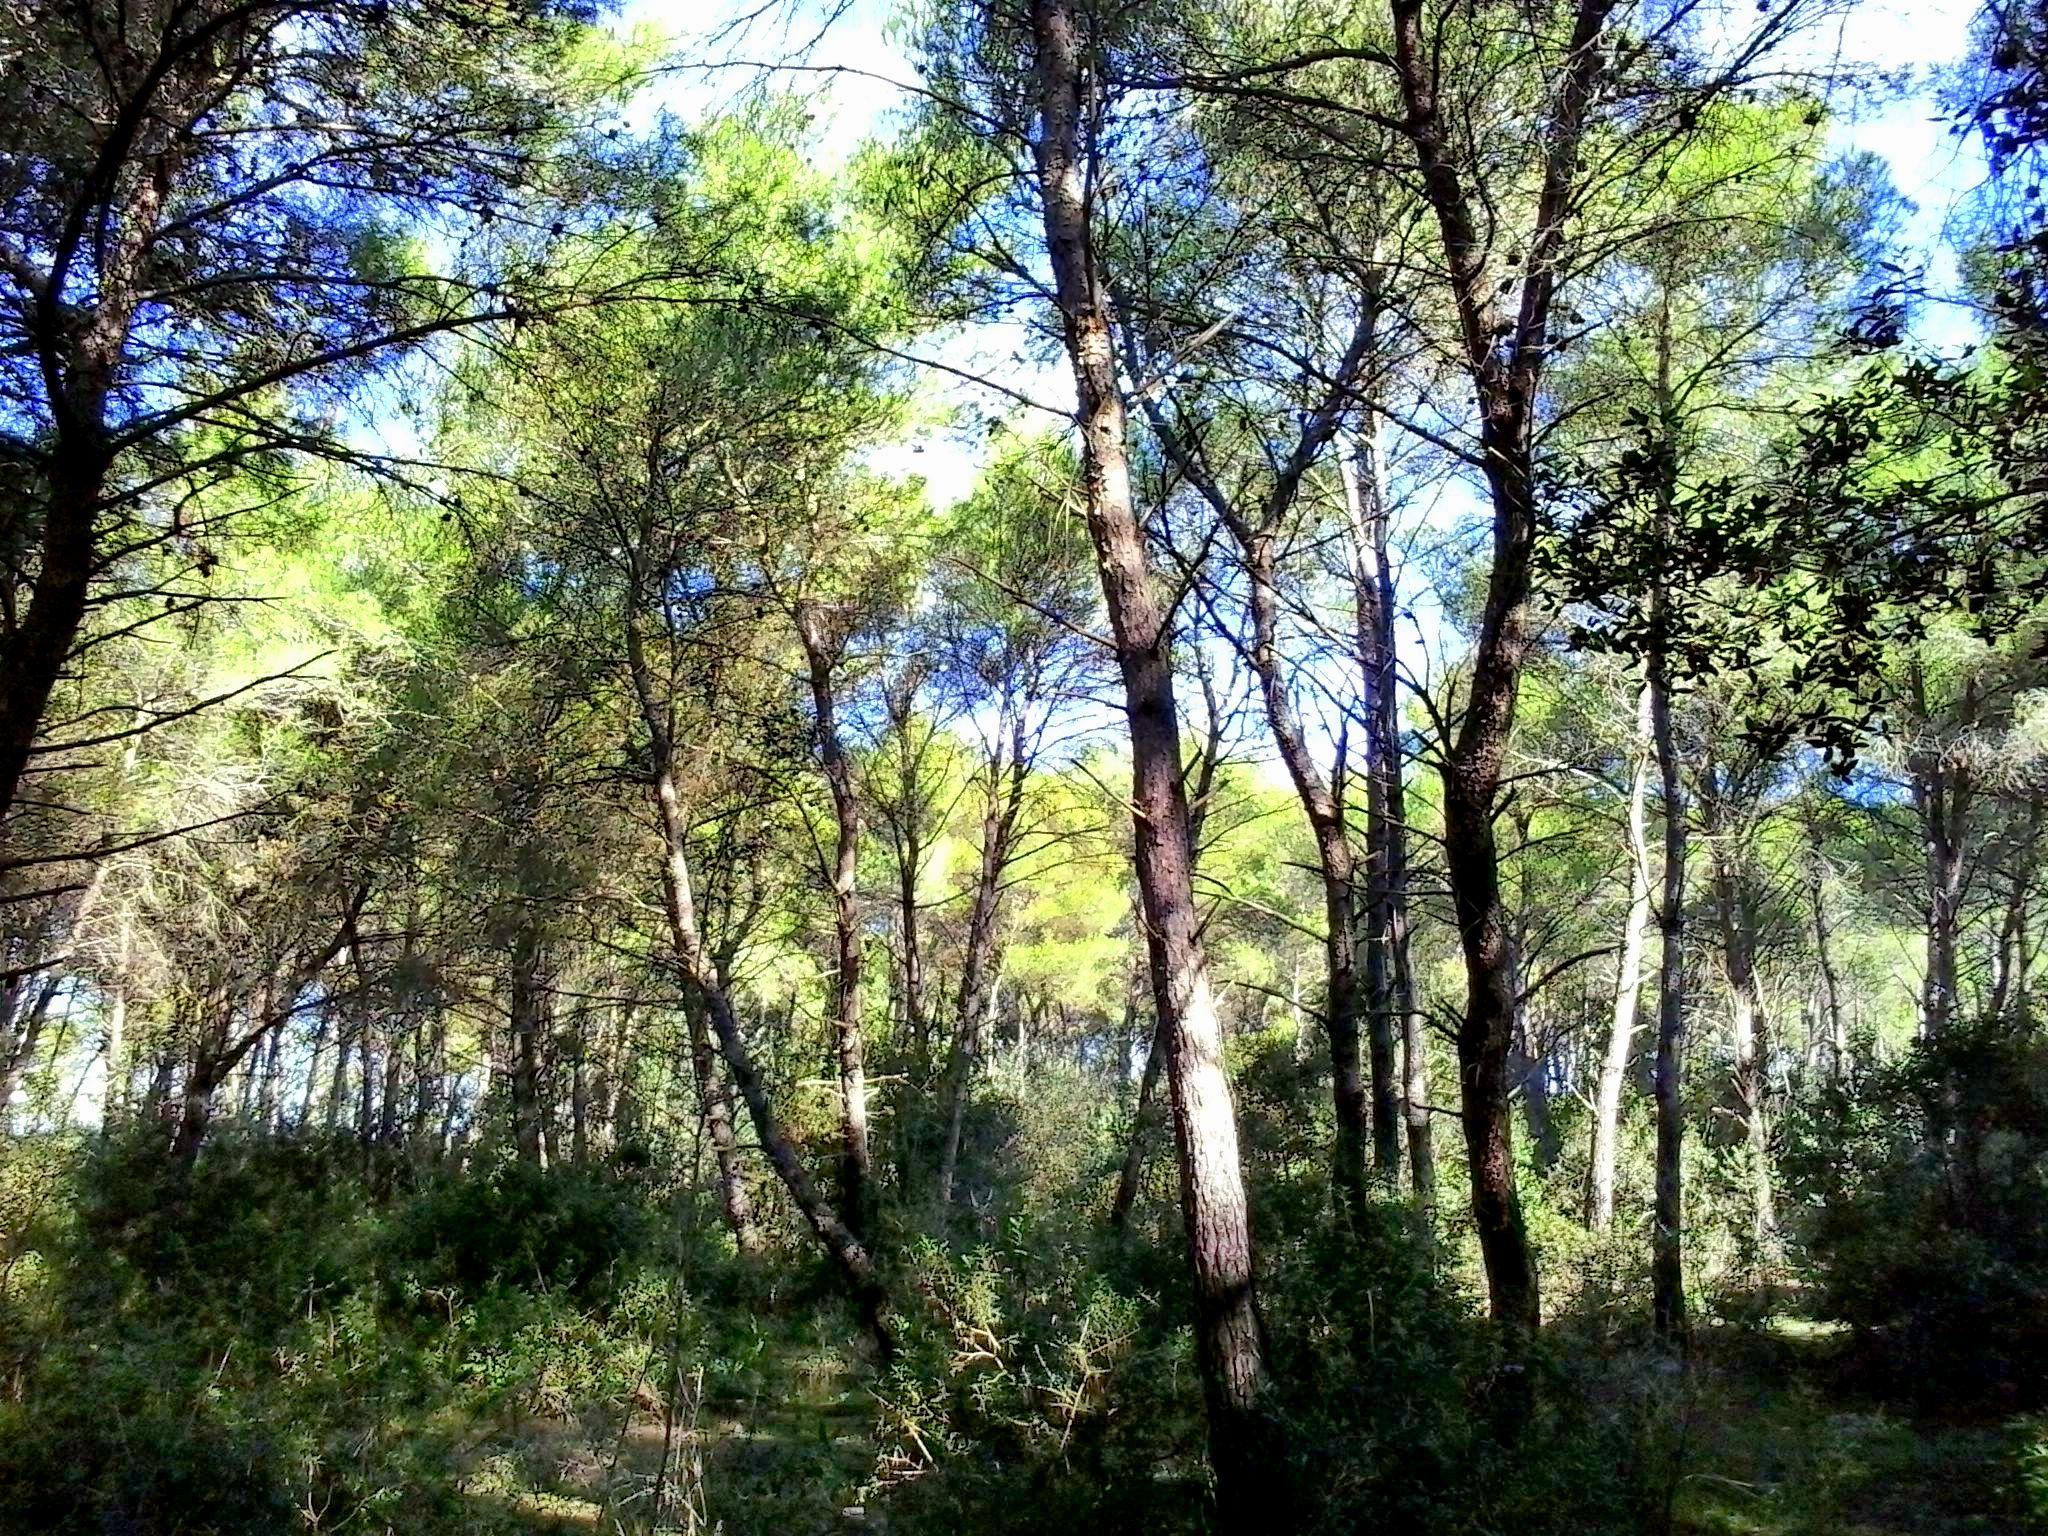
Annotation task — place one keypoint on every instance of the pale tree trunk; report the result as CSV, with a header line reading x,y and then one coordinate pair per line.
x,y
1229,1337
822,647
712,1006
1628,979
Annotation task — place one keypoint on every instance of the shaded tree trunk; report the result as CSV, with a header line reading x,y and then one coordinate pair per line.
x,y
1504,356
1006,775
526,1013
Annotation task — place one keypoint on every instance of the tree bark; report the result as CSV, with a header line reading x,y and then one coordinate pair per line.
x,y
1006,775
1229,1336
1628,979
714,1006
525,1013
821,653
1504,356
1667,1241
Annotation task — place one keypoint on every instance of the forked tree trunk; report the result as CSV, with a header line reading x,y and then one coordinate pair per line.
x,y
1229,1337
1504,355
1628,980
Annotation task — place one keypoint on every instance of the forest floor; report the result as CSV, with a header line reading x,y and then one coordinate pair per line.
x,y
1775,1446
786,1453
1772,1447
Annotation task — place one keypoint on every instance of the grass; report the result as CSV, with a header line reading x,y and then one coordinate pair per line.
x,y
1774,1448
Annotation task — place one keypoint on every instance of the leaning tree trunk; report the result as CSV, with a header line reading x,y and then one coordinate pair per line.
x,y
1628,980
1338,870
1229,1336
714,1100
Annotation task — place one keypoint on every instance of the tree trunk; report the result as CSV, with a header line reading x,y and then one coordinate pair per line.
x,y
821,651
36,653
1006,774
1338,870
1628,980
525,1014
1749,1016
1229,1337
1387,824
1942,794
1667,1242
713,1004
1145,1119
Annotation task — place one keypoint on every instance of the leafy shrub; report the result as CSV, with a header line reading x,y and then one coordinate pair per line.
x,y
1922,1191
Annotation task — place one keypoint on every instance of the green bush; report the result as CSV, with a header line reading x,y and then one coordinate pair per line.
x,y
1921,1192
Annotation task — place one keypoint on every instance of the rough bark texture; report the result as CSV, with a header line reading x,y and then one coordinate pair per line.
x,y
1504,356
1229,1337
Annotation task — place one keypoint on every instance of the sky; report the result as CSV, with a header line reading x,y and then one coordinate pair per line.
x,y
857,77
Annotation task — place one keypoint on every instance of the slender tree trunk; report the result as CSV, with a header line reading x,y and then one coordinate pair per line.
x,y
1145,1118
1749,1022
1338,870
525,1015
1667,1242
1229,1337
1628,980
1387,834
1504,355
1824,953
1006,774
1942,793
713,1005
821,651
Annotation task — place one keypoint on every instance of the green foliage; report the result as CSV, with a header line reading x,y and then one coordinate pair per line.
x,y
1924,1194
